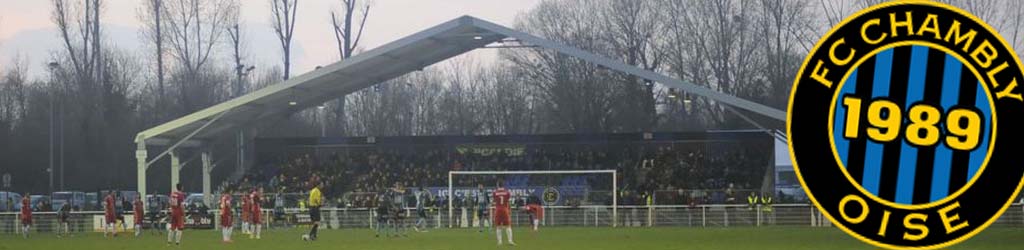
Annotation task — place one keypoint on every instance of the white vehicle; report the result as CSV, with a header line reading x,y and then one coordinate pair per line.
x,y
75,199
10,197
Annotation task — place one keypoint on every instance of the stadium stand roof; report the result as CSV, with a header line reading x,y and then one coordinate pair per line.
x,y
372,67
394,59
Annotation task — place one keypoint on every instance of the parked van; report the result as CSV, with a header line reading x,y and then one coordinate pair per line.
x,y
40,203
74,198
10,202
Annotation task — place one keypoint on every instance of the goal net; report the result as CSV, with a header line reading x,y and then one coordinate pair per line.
x,y
569,197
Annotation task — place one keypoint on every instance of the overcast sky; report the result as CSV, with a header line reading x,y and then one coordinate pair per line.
x,y
26,28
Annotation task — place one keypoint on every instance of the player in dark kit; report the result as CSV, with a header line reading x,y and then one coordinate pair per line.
x,y
119,214
383,211
481,200
398,209
177,215
64,220
422,199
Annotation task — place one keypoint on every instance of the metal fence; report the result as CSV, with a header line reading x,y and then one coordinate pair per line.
x,y
582,216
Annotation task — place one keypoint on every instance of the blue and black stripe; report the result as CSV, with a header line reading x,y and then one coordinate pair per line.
x,y
898,171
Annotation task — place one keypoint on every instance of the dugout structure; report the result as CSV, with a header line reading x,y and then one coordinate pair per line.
x,y
408,54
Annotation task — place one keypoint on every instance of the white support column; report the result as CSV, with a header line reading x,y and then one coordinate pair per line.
x,y
207,168
141,157
175,170
241,153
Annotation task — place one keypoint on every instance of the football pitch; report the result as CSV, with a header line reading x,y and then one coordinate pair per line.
x,y
789,238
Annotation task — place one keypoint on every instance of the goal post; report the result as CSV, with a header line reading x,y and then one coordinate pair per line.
x,y
613,173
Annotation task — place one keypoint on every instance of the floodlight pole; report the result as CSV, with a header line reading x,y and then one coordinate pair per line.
x,y
51,142
53,66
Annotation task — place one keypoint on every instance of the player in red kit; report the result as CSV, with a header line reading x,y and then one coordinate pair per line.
x,y
177,216
139,215
26,214
502,212
536,212
225,216
246,209
108,215
255,216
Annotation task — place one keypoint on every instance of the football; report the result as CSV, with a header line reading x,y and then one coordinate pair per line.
x,y
305,237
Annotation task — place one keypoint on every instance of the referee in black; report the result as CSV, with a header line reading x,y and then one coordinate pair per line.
x,y
315,201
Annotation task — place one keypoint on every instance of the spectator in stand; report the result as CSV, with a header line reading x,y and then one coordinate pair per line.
x,y
722,167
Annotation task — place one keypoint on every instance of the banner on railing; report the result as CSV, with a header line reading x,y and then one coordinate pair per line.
x,y
487,150
193,221
99,220
551,196
199,221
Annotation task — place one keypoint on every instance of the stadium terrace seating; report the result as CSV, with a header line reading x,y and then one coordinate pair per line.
x,y
645,167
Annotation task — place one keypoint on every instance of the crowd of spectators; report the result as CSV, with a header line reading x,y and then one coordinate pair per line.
x,y
644,168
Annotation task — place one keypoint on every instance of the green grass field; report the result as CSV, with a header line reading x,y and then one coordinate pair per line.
x,y
789,238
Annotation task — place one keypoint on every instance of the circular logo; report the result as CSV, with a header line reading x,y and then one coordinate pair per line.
x,y
551,196
902,125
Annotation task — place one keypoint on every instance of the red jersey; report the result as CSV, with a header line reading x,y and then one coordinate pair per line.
x,y
536,210
177,202
26,207
255,216
109,202
177,210
26,211
225,211
246,208
225,204
137,206
501,199
255,198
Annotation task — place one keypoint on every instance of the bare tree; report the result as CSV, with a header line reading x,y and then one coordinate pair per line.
x,y
463,98
632,29
1003,15
13,92
786,28
572,95
835,11
236,38
348,41
83,47
385,109
720,51
152,29
1013,28
347,37
194,30
428,87
507,103
283,21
